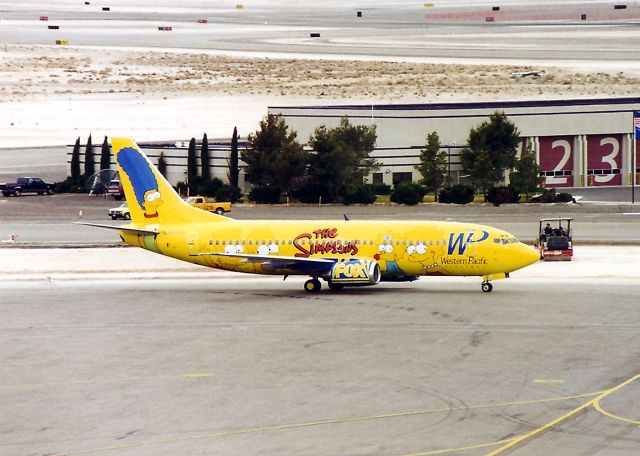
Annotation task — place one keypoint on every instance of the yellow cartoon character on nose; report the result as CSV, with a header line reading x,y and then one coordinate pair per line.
x,y
152,200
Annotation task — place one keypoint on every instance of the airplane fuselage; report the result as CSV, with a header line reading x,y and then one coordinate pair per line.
x,y
403,249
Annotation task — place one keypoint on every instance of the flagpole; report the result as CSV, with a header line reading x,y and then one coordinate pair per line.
x,y
633,168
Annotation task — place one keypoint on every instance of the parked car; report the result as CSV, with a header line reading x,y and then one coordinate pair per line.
x,y
121,211
209,204
115,190
27,185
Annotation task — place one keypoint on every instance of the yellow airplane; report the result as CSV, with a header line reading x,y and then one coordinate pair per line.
x,y
343,253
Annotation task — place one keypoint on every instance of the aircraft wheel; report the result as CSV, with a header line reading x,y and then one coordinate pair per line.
x,y
487,287
335,286
312,286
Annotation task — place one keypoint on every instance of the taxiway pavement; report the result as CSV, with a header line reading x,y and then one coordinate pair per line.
x,y
124,352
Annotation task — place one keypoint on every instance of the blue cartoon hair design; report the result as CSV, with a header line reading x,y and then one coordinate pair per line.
x,y
137,169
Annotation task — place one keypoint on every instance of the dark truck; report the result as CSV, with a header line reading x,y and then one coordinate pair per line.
x,y
27,185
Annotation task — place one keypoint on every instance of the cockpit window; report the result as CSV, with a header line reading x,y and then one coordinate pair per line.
x,y
506,241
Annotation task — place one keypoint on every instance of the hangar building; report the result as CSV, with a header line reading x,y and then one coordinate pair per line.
x,y
578,143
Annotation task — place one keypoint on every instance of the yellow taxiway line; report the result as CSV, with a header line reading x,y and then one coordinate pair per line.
x,y
595,402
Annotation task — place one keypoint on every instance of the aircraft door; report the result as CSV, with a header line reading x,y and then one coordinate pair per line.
x,y
192,243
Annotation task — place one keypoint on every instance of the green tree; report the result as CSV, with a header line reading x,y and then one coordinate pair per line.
x,y
205,158
89,162
481,170
75,161
274,158
105,155
162,164
433,165
526,177
341,158
192,166
494,143
233,173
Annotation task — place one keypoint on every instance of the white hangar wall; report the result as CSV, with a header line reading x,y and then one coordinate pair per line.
x,y
583,142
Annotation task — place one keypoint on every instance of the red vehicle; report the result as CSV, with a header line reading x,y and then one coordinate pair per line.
x,y
555,240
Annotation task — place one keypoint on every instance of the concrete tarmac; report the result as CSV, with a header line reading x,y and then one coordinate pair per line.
x,y
393,30
124,352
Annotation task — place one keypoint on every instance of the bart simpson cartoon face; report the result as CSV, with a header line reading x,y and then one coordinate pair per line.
x,y
152,200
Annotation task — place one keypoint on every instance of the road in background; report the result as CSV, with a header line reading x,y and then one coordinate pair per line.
x,y
49,219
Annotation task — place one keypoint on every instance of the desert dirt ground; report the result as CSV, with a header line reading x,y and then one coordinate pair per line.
x,y
31,71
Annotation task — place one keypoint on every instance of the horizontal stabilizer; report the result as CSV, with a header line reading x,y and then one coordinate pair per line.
x,y
125,228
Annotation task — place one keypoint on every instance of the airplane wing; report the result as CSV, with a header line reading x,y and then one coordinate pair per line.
x,y
308,265
126,228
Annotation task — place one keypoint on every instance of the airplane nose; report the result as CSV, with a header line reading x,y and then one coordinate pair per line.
x,y
528,255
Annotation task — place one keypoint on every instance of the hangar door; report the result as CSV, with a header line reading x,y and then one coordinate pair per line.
x,y
556,160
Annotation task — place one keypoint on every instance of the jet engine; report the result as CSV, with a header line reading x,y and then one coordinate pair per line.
x,y
354,272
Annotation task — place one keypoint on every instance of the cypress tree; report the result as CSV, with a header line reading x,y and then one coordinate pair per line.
x,y
433,164
162,164
105,155
204,158
192,167
75,161
234,172
89,163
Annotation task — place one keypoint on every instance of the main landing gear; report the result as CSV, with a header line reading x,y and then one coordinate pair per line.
x,y
487,287
312,285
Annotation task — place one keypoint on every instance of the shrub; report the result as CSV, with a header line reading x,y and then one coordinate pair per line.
x,y
550,196
362,194
457,194
264,195
408,193
205,187
547,196
381,189
310,192
228,193
70,185
503,195
564,197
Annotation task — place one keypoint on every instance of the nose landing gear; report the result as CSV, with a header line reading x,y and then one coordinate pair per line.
x,y
487,287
